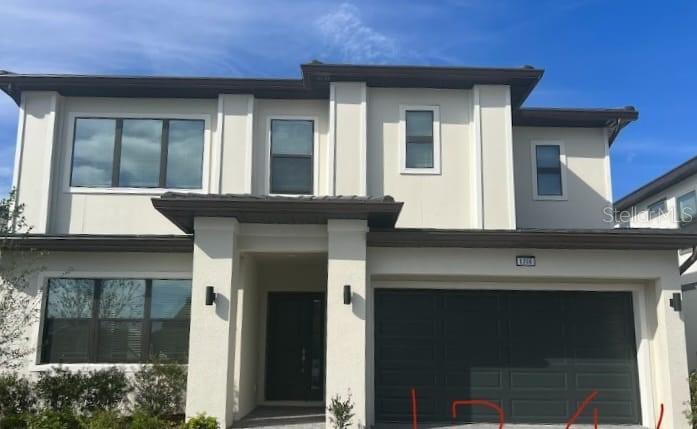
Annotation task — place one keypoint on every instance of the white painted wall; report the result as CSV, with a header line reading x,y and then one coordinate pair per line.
x,y
638,213
589,194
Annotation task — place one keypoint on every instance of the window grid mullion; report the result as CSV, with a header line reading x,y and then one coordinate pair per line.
x,y
164,153
147,324
116,166
94,322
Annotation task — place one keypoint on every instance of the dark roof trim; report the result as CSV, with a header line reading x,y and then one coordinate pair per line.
x,y
613,119
678,174
181,209
99,243
618,239
313,84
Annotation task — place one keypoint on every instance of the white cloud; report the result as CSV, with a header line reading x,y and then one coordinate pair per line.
x,y
346,33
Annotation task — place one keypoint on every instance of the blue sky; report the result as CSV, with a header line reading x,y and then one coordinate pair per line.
x,y
596,53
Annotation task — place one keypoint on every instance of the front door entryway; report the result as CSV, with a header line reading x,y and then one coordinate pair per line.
x,y
295,347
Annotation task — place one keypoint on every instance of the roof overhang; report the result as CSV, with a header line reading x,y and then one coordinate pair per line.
x,y
182,209
98,243
612,119
676,175
614,239
313,84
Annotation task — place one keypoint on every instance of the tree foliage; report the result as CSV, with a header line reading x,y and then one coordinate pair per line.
x,y
18,306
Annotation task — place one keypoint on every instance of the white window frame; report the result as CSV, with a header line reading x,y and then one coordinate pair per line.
x,y
436,169
315,154
70,142
562,164
660,201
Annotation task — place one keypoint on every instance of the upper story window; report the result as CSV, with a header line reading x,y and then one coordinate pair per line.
x,y
116,321
420,145
549,163
138,153
292,156
687,208
657,209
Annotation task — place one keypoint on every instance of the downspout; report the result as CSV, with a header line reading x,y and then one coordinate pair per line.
x,y
689,261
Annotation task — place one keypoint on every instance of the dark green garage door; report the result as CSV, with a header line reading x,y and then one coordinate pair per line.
x,y
536,354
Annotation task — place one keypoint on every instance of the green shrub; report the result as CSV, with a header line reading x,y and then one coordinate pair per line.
x,y
341,412
691,413
16,396
105,419
104,390
160,389
13,421
143,420
202,421
60,389
53,419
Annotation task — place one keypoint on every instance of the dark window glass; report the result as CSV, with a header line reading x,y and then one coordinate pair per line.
x,y
93,152
116,320
687,208
138,153
141,146
548,163
185,154
657,209
292,147
419,136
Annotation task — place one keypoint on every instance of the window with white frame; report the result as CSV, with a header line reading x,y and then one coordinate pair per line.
x,y
420,142
137,153
549,163
291,158
687,208
657,209
116,320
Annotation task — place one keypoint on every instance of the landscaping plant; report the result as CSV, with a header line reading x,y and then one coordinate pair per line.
x,y
341,412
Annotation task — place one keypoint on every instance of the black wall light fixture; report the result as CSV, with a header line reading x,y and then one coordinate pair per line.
x,y
347,294
676,302
210,295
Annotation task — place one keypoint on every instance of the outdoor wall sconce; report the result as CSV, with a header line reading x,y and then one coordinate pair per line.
x,y
210,295
676,302
347,294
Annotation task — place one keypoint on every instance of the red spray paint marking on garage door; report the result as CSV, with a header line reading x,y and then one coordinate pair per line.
x,y
502,414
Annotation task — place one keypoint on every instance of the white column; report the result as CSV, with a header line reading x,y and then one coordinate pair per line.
x,y
212,332
346,324
236,131
669,357
350,137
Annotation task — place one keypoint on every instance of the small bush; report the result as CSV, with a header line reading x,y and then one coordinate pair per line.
x,y
14,421
104,390
107,419
160,389
53,419
202,421
60,389
341,412
16,396
691,413
143,420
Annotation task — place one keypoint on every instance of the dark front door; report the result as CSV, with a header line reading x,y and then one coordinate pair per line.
x,y
295,347
535,354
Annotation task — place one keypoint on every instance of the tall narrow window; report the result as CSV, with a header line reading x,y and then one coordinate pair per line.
x,y
687,208
419,139
657,209
138,153
548,170
292,152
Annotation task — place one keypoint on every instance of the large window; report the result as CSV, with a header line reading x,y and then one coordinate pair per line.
x,y
116,321
138,153
292,153
687,208
548,163
420,147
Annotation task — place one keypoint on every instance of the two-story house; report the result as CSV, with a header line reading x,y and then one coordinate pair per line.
x,y
670,201
364,230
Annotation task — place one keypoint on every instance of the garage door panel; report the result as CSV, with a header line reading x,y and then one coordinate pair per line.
x,y
536,353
